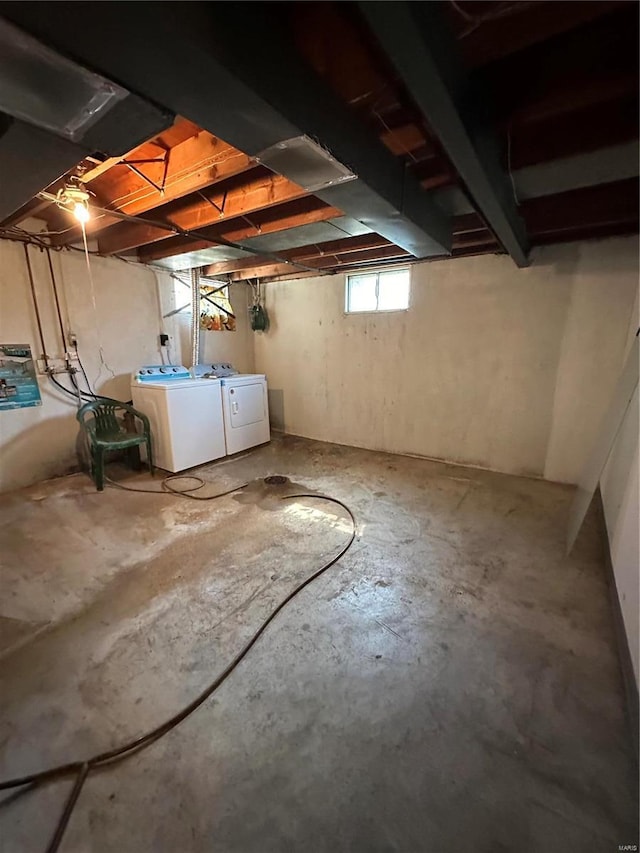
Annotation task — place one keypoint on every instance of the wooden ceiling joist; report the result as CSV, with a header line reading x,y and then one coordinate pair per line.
x,y
281,217
307,254
192,165
247,268
226,200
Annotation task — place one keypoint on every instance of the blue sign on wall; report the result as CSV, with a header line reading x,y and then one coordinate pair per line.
x,y
18,383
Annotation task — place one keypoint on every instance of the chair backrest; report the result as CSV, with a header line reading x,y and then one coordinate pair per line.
x,y
105,421
104,411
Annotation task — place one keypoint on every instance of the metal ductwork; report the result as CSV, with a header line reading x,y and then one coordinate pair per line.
x,y
266,97
54,112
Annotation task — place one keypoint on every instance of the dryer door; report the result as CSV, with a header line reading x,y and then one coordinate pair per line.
x,y
246,415
246,404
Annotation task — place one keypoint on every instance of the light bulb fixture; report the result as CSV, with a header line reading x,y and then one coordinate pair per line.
x,y
72,197
81,211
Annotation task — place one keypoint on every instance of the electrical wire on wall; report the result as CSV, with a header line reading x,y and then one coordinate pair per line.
x,y
103,362
259,316
78,395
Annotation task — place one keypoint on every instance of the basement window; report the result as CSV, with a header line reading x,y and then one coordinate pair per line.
x,y
386,290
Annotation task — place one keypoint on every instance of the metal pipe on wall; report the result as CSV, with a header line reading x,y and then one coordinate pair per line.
x,y
35,306
195,318
56,298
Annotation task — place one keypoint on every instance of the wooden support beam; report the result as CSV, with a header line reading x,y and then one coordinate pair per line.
x,y
261,271
338,247
223,201
269,221
368,256
315,253
291,275
326,262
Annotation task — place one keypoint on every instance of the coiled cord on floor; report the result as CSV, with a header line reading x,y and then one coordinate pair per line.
x,y
81,769
166,487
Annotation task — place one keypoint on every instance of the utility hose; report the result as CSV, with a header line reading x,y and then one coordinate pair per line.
x,y
81,768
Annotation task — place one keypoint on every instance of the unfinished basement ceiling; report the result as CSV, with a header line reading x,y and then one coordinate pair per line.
x,y
533,138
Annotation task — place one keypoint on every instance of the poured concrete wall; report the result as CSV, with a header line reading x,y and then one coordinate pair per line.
x,y
126,320
491,366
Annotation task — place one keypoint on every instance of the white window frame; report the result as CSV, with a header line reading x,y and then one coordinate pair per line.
x,y
376,272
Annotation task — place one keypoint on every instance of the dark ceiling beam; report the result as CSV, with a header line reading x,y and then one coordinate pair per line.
x,y
575,132
610,206
231,69
30,160
424,53
582,67
535,23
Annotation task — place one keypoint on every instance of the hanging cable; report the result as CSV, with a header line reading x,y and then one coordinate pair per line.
x,y
103,361
84,372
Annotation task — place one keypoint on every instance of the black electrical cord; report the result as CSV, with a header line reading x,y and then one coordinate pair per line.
x,y
166,487
81,769
67,390
84,372
87,396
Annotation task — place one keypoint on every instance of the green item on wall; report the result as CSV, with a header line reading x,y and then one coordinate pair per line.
x,y
259,318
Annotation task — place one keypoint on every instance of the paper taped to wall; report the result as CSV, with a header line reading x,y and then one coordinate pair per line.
x,y
18,384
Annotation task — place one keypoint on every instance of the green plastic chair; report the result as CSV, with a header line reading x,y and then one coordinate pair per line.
x,y
104,431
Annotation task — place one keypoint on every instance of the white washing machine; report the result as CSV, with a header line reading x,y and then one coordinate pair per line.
x,y
187,422
245,406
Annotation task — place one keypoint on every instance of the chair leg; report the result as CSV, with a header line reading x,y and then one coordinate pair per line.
x,y
133,454
99,468
150,458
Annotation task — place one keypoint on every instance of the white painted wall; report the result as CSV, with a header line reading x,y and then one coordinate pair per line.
x,y
492,366
619,487
40,442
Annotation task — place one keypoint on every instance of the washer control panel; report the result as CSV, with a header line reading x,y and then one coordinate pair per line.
x,y
220,368
161,372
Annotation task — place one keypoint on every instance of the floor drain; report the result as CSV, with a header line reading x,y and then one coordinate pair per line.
x,y
276,480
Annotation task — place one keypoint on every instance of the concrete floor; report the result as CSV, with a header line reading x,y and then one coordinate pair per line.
x,y
452,684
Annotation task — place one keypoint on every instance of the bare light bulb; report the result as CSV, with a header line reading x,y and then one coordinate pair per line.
x,y
81,212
